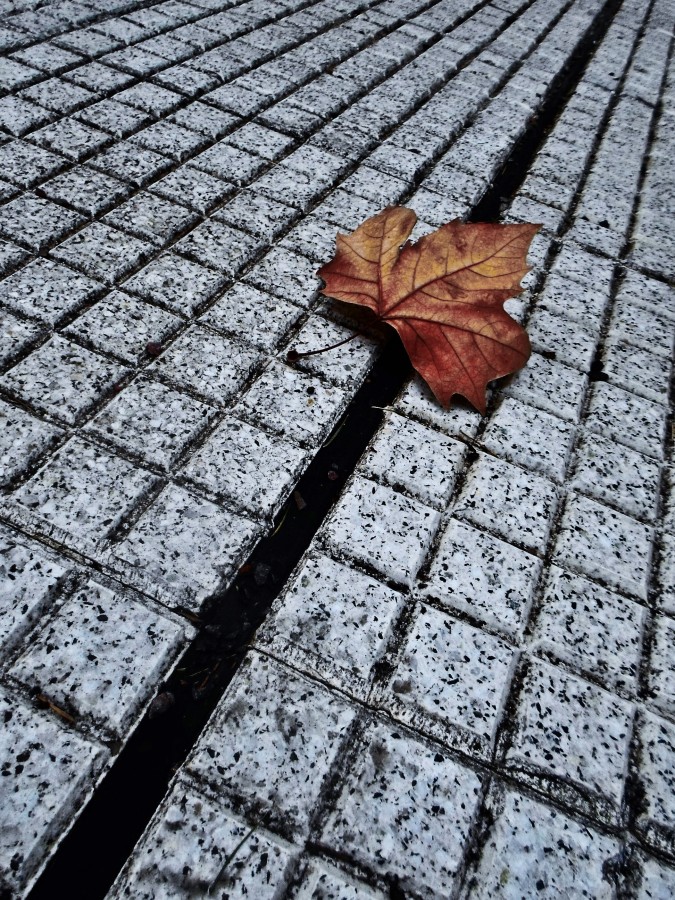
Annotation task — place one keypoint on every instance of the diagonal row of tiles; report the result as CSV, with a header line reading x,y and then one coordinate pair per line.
x,y
511,613
210,426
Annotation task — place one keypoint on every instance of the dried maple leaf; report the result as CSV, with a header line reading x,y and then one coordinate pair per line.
x,y
444,295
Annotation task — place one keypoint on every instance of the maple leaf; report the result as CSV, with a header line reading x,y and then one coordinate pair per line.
x,y
444,295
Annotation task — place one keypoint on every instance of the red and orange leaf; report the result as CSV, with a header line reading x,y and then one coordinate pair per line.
x,y
444,295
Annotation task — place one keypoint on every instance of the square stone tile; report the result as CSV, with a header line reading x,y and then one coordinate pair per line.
x,y
662,668
346,365
170,139
657,881
220,246
36,750
19,116
656,778
575,301
286,275
62,379
571,739
131,163
197,843
88,191
605,545
72,138
150,98
207,364
641,327
292,404
229,163
450,682
23,440
30,578
312,237
255,138
100,78
624,417
11,256
633,369
416,400
614,474
333,623
123,326
184,549
585,268
559,339
48,291
151,218
483,577
272,741
101,656
103,252
517,505
406,455
59,96
36,223
264,218
113,117
26,165
152,422
18,335
248,467
192,188
530,438
252,316
535,851
355,528
206,120
396,788
83,492
593,631
178,284
647,293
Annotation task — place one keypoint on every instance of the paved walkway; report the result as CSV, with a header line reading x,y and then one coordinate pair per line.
x,y
467,688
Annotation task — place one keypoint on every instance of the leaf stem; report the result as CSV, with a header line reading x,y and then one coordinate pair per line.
x,y
293,355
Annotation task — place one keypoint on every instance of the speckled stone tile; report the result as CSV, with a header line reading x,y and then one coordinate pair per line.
x,y
417,401
627,418
207,364
72,138
656,777
295,405
36,223
286,275
82,493
100,78
48,290
644,373
11,256
48,770
535,851
585,268
183,549
151,218
483,577
100,656
170,139
516,505
406,455
17,336
229,163
152,422
103,252
192,188
324,882
568,342
264,218
196,845
581,756
355,528
244,465
450,682
641,327
218,245
647,293
332,623
605,545
26,165
662,666
151,98
178,284
207,120
131,163
88,191
404,783
272,742
123,326
253,316
30,577
593,631
113,117
19,116
347,365
62,379
613,474
657,881
575,301
20,430
533,439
